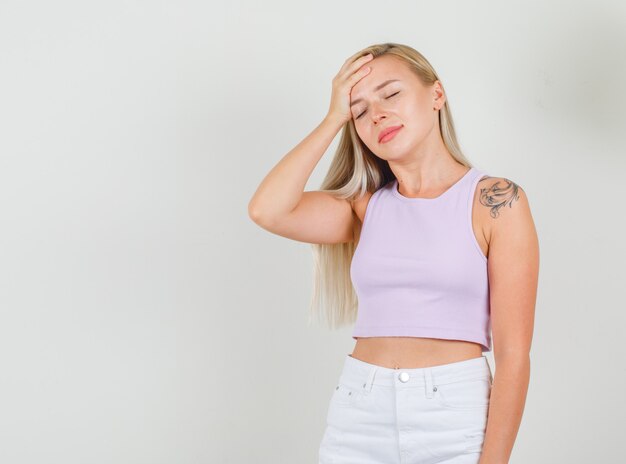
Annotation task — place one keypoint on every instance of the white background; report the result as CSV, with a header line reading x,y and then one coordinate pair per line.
x,y
144,318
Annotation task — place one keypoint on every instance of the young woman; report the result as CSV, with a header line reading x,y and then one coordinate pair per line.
x,y
429,256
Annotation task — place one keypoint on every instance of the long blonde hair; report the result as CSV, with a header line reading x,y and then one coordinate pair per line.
x,y
354,170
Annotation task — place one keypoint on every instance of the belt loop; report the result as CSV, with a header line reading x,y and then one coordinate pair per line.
x,y
367,386
428,376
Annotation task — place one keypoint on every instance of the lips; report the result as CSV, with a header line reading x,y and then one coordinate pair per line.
x,y
387,131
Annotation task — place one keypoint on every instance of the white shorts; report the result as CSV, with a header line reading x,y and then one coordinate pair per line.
x,y
427,415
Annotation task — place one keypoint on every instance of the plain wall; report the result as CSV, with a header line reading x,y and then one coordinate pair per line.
x,y
144,318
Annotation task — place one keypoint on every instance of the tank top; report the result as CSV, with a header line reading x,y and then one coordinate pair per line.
x,y
418,270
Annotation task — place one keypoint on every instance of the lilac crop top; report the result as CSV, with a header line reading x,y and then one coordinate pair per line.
x,y
418,270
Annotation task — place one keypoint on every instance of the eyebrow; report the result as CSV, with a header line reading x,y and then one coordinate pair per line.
x,y
376,89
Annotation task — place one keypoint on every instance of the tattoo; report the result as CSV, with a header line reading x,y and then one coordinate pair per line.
x,y
496,197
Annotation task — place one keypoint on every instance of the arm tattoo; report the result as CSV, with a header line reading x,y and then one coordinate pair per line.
x,y
496,197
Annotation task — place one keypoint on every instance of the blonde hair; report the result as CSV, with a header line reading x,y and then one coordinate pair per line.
x,y
355,170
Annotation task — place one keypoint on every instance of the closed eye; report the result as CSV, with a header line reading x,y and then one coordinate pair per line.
x,y
392,95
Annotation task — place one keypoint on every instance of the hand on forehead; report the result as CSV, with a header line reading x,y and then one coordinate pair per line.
x,y
383,68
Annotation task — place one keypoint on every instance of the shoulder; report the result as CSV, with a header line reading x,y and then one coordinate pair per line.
x,y
359,205
503,205
498,193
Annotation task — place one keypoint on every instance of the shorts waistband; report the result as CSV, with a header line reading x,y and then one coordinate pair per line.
x,y
363,375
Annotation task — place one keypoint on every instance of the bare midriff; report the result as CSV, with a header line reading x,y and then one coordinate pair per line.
x,y
413,352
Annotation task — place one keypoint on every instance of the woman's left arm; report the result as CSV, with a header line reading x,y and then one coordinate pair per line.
x,y
513,267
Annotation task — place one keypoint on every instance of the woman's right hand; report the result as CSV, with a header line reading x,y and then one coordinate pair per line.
x,y
350,73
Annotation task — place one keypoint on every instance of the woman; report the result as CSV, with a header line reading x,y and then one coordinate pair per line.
x,y
429,255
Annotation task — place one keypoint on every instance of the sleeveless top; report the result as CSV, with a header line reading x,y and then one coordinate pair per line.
x,y
418,270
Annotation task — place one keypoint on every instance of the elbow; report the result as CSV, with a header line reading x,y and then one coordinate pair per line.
x,y
520,358
253,212
256,214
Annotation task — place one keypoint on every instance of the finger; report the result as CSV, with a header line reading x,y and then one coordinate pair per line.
x,y
358,75
353,60
354,67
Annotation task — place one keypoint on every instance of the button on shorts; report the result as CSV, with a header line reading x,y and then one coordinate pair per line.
x,y
436,414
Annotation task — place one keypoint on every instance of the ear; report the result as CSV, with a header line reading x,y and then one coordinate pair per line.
x,y
439,96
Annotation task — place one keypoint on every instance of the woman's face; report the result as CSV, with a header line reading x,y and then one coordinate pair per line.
x,y
403,102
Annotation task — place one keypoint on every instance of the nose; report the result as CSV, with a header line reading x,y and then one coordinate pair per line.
x,y
378,117
377,113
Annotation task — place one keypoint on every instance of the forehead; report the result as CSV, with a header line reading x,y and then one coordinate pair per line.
x,y
383,68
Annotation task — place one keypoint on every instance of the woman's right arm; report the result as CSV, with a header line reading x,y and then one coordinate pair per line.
x,y
280,204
